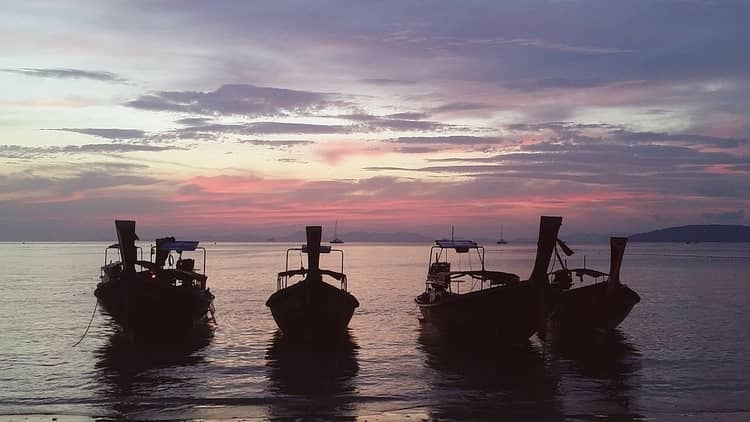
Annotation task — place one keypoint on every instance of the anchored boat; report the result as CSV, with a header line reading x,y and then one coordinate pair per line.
x,y
603,303
494,305
502,240
162,296
336,238
311,308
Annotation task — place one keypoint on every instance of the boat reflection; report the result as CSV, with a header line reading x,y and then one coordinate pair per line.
x,y
486,382
135,372
605,365
317,378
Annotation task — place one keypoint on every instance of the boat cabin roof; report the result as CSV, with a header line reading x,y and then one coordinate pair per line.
x,y
458,245
179,245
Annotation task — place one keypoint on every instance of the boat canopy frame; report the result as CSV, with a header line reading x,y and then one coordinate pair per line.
x,y
283,277
117,247
181,246
445,278
460,246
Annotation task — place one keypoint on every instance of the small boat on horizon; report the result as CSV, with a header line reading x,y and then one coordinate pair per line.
x,y
601,305
502,241
311,308
162,296
497,306
336,238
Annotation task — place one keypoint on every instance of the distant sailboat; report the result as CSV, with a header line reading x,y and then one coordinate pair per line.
x,y
501,241
335,233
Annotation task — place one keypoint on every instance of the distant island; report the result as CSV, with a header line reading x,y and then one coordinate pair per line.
x,y
696,233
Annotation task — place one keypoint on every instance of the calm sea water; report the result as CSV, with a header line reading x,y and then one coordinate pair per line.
x,y
683,352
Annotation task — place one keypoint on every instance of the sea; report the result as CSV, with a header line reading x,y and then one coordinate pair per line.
x,y
682,354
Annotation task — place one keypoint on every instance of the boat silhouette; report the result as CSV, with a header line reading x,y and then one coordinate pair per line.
x,y
336,238
312,308
602,305
498,305
502,240
162,296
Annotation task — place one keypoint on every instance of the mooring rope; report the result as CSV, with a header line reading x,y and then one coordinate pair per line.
x,y
87,328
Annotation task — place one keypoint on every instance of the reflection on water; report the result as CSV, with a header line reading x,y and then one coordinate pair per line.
x,y
480,381
324,372
605,365
684,349
138,374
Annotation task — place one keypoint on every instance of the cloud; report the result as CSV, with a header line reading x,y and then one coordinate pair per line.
x,y
263,128
276,144
737,216
363,123
397,122
558,83
387,82
712,141
418,150
594,155
418,144
238,99
447,42
194,121
105,133
65,73
334,152
27,152
408,116
460,106
72,182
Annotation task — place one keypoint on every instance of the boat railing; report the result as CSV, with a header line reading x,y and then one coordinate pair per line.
x,y
494,278
324,249
564,276
282,279
439,272
438,259
116,247
181,263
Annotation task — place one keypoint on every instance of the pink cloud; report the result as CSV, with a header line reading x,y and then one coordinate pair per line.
x,y
334,152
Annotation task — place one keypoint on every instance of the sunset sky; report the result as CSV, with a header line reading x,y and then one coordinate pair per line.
x,y
249,119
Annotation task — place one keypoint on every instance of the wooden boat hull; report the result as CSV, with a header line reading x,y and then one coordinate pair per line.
x,y
312,310
144,306
591,308
506,313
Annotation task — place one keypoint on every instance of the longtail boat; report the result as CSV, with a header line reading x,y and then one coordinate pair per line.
x,y
162,296
603,303
310,308
495,305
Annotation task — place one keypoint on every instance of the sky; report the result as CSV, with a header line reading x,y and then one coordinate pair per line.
x,y
243,120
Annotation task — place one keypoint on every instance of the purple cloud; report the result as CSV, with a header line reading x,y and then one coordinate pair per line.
x,y
238,99
107,133
65,73
276,144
